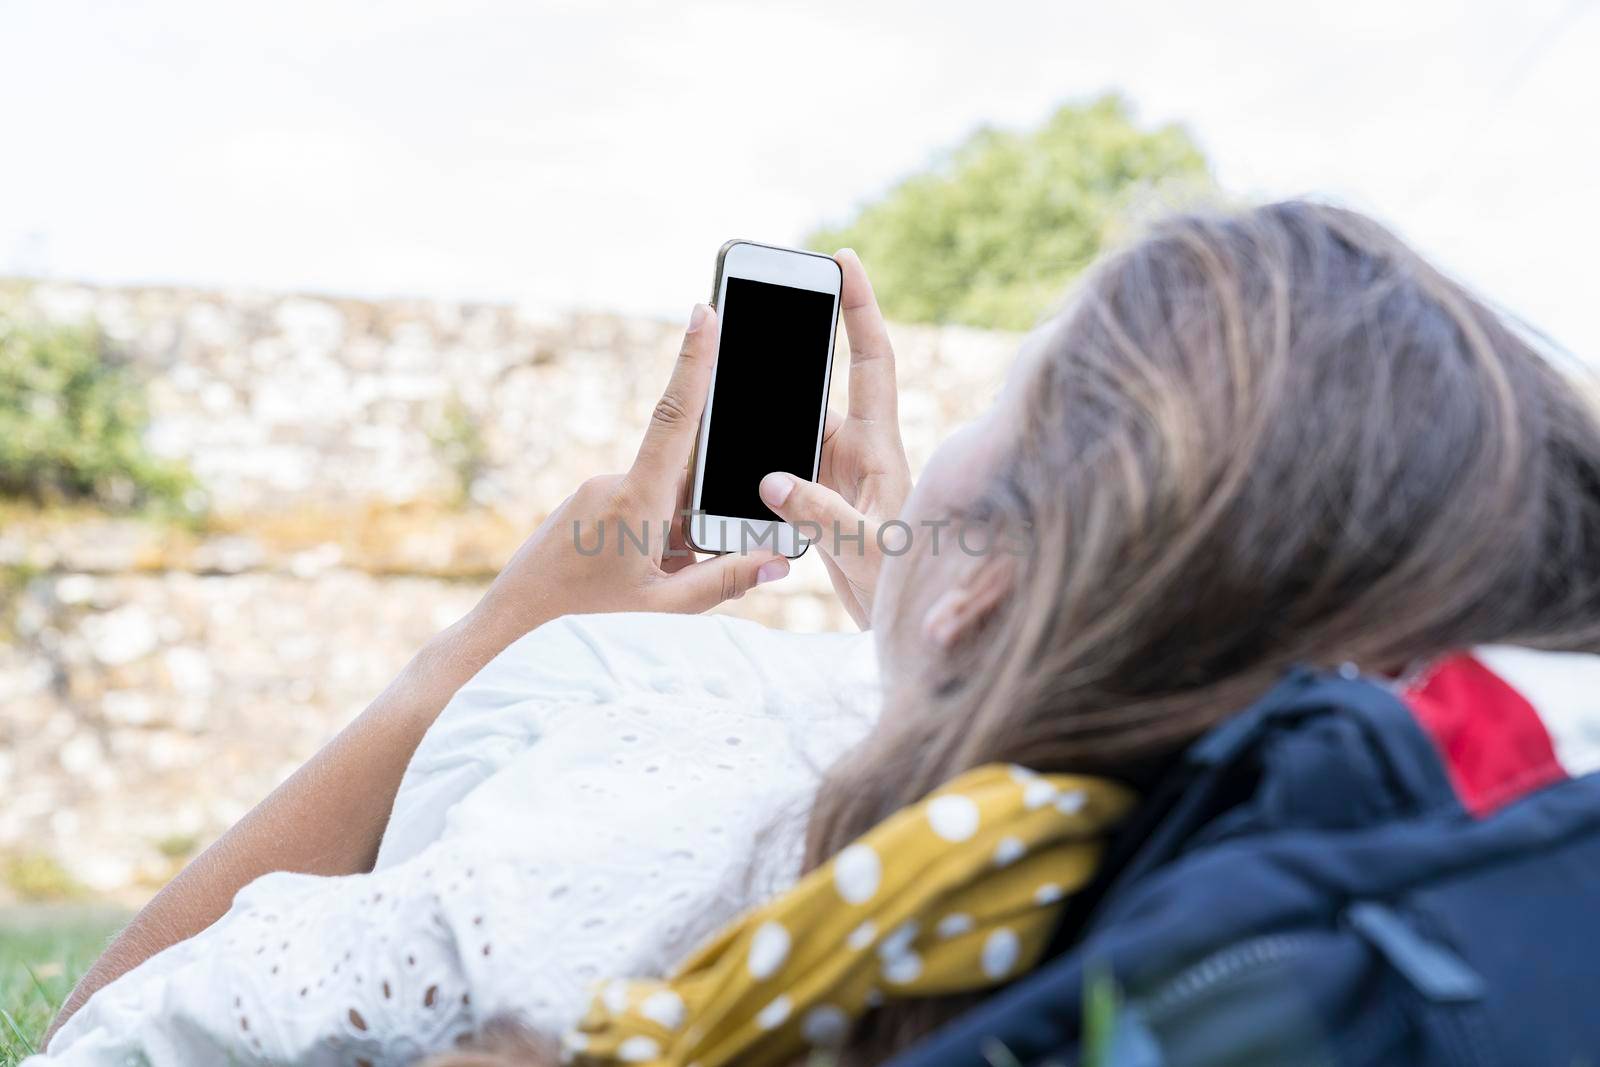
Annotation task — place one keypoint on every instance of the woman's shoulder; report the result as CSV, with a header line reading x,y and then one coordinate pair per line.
x,y
645,777
642,653
594,702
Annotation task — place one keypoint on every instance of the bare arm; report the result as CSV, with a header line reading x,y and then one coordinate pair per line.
x,y
329,817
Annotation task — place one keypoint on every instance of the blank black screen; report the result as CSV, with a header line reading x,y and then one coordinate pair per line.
x,y
771,374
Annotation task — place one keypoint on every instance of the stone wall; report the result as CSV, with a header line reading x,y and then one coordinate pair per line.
x,y
366,467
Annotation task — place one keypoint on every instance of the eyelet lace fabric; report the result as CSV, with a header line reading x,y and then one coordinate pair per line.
x,y
594,804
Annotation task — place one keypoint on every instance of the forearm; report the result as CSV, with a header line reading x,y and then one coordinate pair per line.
x,y
327,818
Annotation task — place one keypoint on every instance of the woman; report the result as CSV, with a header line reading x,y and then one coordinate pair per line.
x,y
1249,441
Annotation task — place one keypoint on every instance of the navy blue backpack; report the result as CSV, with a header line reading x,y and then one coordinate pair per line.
x,y
1313,892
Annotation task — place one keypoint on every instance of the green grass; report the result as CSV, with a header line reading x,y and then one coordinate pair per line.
x,y
43,951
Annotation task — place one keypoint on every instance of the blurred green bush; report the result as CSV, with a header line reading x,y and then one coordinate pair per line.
x,y
72,422
458,441
994,231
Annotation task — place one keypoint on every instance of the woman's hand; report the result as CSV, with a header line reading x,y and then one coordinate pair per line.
x,y
617,543
863,478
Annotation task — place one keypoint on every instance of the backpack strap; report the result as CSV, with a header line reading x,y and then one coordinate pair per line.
x,y
1211,769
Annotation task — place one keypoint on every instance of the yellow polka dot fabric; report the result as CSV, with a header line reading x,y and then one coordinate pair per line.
x,y
957,893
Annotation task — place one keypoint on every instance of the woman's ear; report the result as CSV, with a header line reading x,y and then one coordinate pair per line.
x,y
960,611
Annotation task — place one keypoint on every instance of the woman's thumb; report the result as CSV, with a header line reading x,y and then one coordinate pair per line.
x,y
818,513
704,585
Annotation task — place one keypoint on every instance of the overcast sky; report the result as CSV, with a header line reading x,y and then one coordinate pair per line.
x,y
597,153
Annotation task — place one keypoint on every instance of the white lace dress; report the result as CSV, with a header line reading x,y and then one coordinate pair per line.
x,y
598,800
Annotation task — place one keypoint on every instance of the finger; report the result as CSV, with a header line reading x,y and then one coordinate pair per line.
x,y
811,506
836,576
831,423
702,586
676,419
678,554
827,468
872,385
845,590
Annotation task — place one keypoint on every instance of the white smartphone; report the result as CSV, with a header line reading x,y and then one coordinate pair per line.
x,y
779,312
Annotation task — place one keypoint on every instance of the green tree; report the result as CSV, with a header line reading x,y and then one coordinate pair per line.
x,y
992,233
72,421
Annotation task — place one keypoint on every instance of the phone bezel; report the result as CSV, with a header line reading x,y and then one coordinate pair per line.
x,y
780,266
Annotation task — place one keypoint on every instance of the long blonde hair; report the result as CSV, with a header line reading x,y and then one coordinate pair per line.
x,y
1254,439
